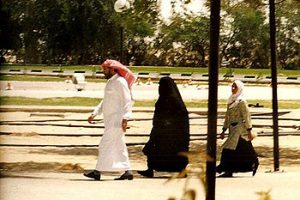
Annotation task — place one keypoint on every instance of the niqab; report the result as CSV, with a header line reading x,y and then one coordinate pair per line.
x,y
170,131
168,91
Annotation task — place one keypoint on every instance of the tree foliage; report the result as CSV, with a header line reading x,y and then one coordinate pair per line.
x,y
185,41
245,41
89,31
288,34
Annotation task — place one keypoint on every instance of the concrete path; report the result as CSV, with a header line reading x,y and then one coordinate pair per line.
x,y
141,92
65,186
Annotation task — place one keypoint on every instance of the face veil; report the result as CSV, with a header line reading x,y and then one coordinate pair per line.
x,y
169,93
170,131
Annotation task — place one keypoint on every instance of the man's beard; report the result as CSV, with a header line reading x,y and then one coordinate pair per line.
x,y
107,75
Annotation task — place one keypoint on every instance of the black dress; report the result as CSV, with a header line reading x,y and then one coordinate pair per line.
x,y
242,159
170,132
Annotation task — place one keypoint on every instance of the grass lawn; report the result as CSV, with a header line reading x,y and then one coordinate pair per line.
x,y
42,78
286,104
82,101
162,69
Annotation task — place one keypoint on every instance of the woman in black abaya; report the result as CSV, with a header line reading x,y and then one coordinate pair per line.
x,y
170,132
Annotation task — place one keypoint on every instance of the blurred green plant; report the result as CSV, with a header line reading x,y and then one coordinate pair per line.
x,y
200,173
259,77
264,195
189,172
229,72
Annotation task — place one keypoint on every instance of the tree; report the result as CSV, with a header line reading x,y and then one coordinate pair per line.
x,y
185,40
139,23
63,31
88,32
244,38
288,34
6,33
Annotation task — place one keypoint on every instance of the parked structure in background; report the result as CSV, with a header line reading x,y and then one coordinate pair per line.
x,y
9,86
78,80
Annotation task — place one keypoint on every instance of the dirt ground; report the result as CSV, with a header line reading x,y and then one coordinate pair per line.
x,y
40,141
43,155
47,159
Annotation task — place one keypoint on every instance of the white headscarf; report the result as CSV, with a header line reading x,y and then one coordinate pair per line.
x,y
234,99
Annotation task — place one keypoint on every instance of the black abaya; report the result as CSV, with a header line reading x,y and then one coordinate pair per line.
x,y
170,133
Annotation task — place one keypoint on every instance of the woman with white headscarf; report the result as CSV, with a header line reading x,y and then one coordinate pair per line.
x,y
238,154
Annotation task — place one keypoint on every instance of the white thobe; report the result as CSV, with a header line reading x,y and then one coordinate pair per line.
x,y
115,106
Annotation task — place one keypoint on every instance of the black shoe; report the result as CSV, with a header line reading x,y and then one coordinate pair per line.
x,y
218,169
254,167
226,175
126,176
93,174
147,173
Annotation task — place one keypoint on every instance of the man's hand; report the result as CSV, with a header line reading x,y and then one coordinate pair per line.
x,y
124,124
91,118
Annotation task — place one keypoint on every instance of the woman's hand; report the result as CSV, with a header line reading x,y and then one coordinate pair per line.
x,y
250,136
222,135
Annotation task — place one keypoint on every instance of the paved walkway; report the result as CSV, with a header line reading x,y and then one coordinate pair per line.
x,y
65,186
141,92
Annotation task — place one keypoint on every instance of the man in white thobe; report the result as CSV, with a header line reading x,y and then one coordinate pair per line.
x,y
116,109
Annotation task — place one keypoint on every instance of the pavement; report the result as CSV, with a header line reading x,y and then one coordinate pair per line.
x,y
141,92
52,183
62,186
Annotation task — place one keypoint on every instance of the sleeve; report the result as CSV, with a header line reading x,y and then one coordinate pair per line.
x,y
226,121
184,146
126,102
98,109
246,115
148,148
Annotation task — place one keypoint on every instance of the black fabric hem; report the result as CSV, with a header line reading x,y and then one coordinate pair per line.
x,y
241,159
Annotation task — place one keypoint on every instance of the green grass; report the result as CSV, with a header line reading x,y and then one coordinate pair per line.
x,y
30,78
41,78
83,101
71,101
160,69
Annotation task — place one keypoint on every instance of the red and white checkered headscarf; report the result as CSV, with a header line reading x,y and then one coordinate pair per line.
x,y
121,70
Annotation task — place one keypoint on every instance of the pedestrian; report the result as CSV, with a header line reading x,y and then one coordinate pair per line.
x,y
238,154
170,132
116,108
